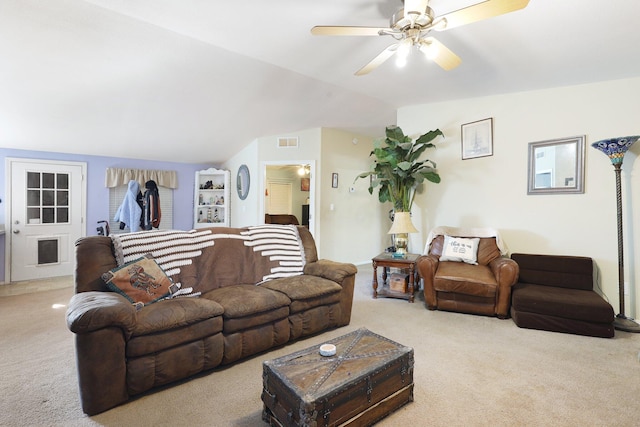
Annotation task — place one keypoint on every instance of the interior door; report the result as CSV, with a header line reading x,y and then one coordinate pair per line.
x,y
279,199
46,217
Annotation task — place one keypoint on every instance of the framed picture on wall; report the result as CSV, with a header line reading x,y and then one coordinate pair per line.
x,y
477,139
304,184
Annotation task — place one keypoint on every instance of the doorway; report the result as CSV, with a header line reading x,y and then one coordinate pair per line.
x,y
288,188
46,207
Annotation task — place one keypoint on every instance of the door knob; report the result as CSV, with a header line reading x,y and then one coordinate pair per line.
x,y
16,231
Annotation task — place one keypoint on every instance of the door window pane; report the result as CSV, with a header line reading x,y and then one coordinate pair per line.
x,y
33,180
63,215
33,197
48,180
63,198
62,181
48,198
48,215
33,215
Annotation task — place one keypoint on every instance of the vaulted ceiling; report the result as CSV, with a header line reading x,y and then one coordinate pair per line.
x,y
195,81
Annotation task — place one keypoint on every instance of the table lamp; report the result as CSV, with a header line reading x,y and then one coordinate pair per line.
x,y
401,227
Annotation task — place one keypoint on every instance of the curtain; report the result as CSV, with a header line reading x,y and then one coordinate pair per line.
x,y
116,177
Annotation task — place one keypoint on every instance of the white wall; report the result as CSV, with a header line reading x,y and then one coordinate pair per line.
x,y
352,231
245,212
492,191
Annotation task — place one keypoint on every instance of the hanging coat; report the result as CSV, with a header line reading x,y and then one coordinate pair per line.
x,y
151,214
129,214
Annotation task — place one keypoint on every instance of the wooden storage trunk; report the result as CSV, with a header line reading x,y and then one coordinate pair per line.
x,y
369,377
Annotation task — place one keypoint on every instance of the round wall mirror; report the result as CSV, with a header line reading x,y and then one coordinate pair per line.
x,y
242,182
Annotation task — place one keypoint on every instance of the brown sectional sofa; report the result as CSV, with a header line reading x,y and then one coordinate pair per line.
x,y
122,352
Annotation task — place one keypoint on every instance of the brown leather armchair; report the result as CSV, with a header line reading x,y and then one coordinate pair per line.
x,y
484,288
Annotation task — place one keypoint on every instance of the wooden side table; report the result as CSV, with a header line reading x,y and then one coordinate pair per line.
x,y
387,261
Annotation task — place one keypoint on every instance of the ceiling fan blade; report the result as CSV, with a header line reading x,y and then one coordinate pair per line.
x,y
328,30
478,12
442,55
378,60
416,7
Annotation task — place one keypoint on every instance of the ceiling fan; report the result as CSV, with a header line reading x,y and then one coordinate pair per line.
x,y
411,26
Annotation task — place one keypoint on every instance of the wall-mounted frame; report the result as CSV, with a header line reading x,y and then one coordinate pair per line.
x,y
477,139
334,180
556,166
304,184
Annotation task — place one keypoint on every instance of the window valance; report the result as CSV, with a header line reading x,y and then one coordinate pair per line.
x,y
116,177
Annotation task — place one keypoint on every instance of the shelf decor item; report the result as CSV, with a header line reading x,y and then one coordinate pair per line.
x,y
615,148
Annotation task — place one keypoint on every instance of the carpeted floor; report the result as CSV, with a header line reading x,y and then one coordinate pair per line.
x,y
469,371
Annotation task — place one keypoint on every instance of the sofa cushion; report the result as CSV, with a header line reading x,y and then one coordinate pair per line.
x,y
174,313
163,340
140,281
249,306
561,302
169,323
305,291
246,300
460,249
561,271
464,278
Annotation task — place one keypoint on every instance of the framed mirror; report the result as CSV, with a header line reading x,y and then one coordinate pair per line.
x,y
556,166
243,180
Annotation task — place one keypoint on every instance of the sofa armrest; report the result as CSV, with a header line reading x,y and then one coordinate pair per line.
x,y
506,272
342,273
102,322
91,311
335,271
427,266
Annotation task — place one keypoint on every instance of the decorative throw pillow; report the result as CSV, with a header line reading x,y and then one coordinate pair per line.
x,y
460,249
141,281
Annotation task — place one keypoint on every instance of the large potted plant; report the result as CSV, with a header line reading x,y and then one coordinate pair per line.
x,y
397,171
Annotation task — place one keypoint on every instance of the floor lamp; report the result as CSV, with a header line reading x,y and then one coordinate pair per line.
x,y
615,148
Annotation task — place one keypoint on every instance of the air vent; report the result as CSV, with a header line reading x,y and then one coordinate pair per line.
x,y
291,142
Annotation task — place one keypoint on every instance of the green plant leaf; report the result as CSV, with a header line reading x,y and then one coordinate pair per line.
x,y
398,169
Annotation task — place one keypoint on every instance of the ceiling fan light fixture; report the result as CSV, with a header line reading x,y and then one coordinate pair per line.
x,y
412,23
429,49
403,51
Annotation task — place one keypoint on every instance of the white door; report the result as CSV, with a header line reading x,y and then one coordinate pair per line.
x,y
279,199
46,217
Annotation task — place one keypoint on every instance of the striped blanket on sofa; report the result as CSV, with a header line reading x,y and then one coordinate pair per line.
x,y
209,258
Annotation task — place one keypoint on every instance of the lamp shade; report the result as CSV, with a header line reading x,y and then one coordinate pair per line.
x,y
615,147
402,224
